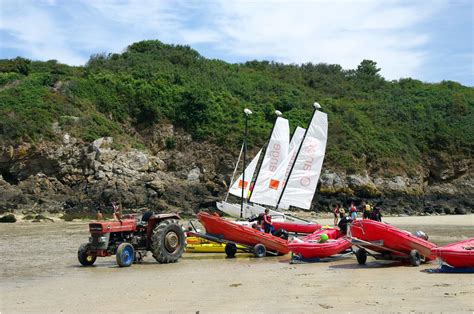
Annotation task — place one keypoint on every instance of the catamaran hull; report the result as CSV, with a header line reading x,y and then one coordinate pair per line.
x,y
221,228
458,255
250,210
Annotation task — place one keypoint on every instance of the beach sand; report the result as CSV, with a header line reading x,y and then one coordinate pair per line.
x,y
40,273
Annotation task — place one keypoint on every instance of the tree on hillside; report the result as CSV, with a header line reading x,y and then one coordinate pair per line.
x,y
367,69
368,77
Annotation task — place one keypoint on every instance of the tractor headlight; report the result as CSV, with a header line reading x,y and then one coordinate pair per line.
x,y
102,239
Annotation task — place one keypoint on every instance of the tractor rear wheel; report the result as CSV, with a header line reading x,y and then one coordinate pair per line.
x,y
168,241
84,256
125,255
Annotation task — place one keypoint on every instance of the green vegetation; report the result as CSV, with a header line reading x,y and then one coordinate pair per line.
x,y
386,125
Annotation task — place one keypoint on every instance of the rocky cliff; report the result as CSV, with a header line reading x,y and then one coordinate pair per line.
x,y
186,176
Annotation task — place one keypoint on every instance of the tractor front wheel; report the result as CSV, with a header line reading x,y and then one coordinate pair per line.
x,y
125,255
85,257
168,241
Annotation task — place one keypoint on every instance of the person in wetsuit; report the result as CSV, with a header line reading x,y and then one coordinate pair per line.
x,y
267,222
343,224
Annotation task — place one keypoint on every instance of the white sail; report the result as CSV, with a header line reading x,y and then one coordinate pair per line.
x,y
276,152
277,180
298,135
236,188
303,180
281,175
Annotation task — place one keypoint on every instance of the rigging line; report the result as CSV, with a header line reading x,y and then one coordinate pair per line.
x,y
235,170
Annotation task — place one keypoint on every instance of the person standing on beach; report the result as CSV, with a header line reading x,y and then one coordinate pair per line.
x,y
366,210
342,211
336,213
376,213
343,224
353,211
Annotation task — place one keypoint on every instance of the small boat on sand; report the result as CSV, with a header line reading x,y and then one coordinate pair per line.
x,y
296,227
457,255
389,241
332,233
232,232
315,249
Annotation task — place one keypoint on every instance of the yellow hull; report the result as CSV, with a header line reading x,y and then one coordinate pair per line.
x,y
199,245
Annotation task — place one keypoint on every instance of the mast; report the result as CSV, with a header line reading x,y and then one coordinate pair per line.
x,y
247,113
316,107
278,114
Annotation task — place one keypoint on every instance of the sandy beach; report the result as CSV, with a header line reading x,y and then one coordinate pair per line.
x,y
40,273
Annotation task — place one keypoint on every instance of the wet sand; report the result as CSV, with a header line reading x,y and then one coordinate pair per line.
x,y
40,273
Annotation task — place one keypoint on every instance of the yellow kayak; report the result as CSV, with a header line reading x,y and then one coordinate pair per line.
x,y
200,245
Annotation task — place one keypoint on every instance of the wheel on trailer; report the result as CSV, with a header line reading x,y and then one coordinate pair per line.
x,y
361,255
230,249
84,256
259,250
125,255
415,258
168,241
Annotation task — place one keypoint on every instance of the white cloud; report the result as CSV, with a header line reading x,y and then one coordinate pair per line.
x,y
37,35
342,32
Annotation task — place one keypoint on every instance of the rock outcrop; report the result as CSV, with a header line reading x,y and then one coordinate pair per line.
x,y
188,176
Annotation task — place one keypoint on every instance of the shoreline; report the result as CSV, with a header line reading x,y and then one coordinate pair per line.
x,y
323,218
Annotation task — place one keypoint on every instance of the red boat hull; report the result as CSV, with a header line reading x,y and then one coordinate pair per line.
x,y
313,249
393,238
296,227
227,230
332,233
458,255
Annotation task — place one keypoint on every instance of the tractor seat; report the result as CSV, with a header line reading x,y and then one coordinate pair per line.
x,y
145,217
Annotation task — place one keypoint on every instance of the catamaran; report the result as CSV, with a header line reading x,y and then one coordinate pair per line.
x,y
288,174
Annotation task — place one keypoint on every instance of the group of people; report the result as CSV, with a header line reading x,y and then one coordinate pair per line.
x,y
368,212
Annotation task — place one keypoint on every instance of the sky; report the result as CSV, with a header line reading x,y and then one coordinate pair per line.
x,y
430,40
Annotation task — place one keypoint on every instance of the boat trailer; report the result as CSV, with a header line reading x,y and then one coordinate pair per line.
x,y
259,250
377,250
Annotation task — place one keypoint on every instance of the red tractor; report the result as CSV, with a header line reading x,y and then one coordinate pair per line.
x,y
130,239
